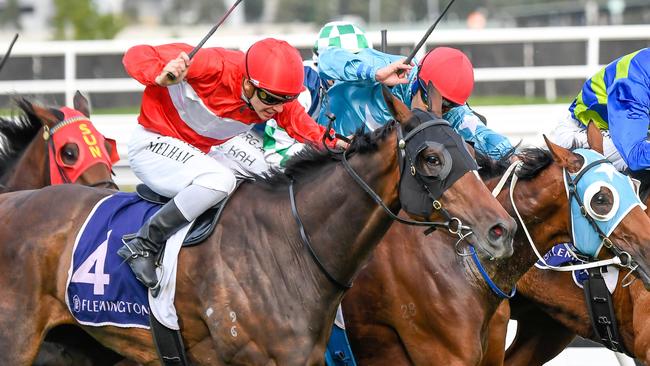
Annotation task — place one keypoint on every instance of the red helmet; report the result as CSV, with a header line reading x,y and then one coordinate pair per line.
x,y
275,66
450,71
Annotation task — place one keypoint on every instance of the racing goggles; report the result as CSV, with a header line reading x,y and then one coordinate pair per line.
x,y
269,98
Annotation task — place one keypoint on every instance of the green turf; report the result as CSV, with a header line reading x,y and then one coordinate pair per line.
x,y
514,100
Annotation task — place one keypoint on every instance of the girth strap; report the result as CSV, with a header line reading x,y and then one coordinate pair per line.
x,y
601,311
169,344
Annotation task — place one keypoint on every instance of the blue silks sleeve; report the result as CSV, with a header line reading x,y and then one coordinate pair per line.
x,y
339,64
627,114
472,129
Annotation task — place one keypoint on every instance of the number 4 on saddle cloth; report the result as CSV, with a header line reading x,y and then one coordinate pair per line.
x,y
101,289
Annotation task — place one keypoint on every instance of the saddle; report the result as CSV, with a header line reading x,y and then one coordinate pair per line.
x,y
202,227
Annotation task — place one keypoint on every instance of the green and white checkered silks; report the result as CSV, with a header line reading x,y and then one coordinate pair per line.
x,y
341,34
278,145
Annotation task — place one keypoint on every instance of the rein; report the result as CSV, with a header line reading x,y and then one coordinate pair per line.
x,y
307,242
453,224
572,193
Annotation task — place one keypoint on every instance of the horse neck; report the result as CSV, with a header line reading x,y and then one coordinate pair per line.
x,y
546,222
342,221
30,171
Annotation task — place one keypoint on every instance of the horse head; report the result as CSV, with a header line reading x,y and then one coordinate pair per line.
x,y
71,151
606,211
439,180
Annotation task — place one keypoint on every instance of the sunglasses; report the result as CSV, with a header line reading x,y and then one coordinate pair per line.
x,y
269,98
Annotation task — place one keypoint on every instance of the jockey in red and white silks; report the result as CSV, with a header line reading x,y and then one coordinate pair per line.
x,y
214,97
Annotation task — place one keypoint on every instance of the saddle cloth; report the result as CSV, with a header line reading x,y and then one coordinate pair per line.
x,y
101,289
565,253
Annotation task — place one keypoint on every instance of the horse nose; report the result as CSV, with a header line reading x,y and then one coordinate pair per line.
x,y
502,233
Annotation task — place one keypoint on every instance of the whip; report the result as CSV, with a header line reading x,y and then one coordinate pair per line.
x,y
196,49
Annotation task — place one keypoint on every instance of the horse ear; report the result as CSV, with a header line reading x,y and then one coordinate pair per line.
x,y
564,157
470,147
81,103
398,109
48,116
594,137
435,100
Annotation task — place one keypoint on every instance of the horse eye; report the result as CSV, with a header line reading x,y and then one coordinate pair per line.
x,y
602,202
432,160
69,153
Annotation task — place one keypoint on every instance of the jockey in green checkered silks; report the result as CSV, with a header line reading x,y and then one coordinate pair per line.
x,y
278,145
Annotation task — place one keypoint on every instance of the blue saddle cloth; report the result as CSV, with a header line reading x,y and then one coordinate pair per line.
x,y
101,289
562,254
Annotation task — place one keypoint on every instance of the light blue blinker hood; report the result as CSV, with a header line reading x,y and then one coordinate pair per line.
x,y
585,237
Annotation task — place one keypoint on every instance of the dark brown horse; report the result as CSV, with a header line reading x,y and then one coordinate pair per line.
x,y
255,264
26,155
419,303
550,311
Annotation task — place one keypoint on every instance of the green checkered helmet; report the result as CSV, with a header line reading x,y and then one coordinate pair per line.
x,y
341,34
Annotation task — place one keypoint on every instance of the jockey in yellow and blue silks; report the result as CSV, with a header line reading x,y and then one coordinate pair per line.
x,y
617,100
355,97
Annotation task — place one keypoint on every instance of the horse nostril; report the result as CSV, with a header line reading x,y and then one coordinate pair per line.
x,y
496,232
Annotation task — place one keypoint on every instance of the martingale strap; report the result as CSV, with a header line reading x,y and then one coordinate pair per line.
x,y
601,312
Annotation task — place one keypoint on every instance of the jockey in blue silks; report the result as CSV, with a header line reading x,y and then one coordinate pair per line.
x,y
617,100
357,74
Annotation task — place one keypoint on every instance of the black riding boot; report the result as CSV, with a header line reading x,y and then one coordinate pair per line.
x,y
140,249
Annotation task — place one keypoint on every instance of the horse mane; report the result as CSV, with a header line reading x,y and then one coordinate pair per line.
x,y
16,133
311,158
534,160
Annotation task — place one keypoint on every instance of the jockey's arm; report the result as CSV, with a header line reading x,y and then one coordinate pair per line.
x,y
628,116
472,129
366,66
341,65
145,63
300,126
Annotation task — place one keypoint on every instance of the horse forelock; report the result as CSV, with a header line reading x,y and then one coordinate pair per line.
x,y
311,158
17,132
534,161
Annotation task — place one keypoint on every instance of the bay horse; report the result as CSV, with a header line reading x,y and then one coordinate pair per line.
x,y
418,302
27,159
550,311
253,273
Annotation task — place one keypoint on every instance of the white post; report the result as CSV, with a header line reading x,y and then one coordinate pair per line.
x,y
550,90
374,12
529,61
593,51
70,73
237,16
